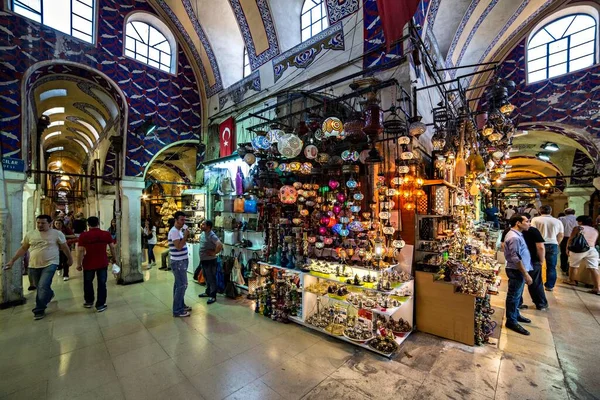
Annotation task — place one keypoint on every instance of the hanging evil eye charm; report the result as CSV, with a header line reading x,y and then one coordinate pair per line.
x,y
351,183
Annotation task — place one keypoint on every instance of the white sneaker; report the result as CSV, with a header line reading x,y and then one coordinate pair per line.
x,y
66,278
59,272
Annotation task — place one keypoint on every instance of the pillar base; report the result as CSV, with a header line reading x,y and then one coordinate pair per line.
x,y
13,303
131,279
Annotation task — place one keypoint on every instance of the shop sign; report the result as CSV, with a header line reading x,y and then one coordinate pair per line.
x,y
13,164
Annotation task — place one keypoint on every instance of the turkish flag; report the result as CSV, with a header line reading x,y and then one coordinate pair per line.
x,y
394,15
226,137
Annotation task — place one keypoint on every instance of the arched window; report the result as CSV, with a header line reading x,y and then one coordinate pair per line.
x,y
313,19
247,69
73,17
564,45
148,40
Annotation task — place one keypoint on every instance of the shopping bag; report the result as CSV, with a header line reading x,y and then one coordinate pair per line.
x,y
201,277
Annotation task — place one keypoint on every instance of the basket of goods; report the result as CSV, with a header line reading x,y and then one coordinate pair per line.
x,y
361,332
400,328
335,329
384,343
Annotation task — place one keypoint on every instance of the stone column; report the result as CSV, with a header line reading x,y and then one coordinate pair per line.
x,y
106,209
579,199
131,235
11,234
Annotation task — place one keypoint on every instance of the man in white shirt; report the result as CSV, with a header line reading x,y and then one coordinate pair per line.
x,y
569,222
553,232
508,213
178,236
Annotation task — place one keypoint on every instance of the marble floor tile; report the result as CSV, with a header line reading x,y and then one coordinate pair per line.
x,y
129,342
480,373
222,380
438,388
182,390
256,390
332,389
125,328
293,379
523,378
376,382
420,351
199,359
327,356
536,351
151,380
34,391
81,380
236,343
262,359
135,360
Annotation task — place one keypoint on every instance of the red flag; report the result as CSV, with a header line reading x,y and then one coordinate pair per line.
x,y
394,15
226,137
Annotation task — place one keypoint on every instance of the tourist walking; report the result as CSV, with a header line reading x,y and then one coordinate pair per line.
x,y
569,222
63,267
178,251
92,259
518,265
210,247
150,234
580,257
553,231
508,213
44,245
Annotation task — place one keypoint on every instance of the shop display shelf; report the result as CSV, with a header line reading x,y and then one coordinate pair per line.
x,y
367,269
242,248
367,286
233,212
388,312
431,251
365,346
280,267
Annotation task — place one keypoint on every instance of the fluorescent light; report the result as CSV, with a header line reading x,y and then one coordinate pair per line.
x,y
551,147
54,110
520,133
48,94
53,149
56,123
543,156
48,136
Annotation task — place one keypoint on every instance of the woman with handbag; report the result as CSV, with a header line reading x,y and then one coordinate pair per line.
x,y
150,235
582,251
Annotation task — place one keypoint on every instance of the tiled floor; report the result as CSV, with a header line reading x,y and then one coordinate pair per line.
x,y
137,350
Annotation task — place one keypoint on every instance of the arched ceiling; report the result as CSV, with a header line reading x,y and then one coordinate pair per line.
x,y
217,31
174,164
81,115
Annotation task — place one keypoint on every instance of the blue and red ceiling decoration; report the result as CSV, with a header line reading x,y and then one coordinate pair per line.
x,y
256,60
306,52
148,90
337,10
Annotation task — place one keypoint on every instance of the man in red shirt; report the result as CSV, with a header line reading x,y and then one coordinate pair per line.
x,y
94,262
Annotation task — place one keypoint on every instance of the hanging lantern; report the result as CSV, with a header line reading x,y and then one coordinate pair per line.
x,y
488,130
333,127
494,137
311,151
288,194
399,243
416,127
507,109
409,206
249,158
274,134
289,145
378,249
407,155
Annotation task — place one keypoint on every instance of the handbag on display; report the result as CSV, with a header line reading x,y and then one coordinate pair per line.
x,y
228,204
250,206
236,272
248,183
238,205
252,224
252,268
228,222
231,237
219,221
579,244
226,184
219,206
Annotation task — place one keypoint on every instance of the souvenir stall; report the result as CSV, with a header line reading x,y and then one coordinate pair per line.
x,y
328,196
455,253
194,207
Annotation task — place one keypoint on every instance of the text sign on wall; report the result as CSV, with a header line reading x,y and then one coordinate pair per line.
x,y
13,164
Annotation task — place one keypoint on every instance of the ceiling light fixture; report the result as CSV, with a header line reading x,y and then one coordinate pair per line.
x,y
543,156
551,147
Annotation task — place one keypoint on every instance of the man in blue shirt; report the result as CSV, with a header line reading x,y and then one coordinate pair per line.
x,y
518,265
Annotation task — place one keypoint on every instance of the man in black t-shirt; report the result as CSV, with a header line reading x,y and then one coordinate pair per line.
x,y
535,244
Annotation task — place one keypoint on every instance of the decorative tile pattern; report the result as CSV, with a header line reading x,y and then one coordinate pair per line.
x,y
256,60
305,53
147,90
582,165
374,38
238,90
340,9
218,86
434,7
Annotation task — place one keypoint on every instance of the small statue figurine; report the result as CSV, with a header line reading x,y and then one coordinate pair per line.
x,y
356,280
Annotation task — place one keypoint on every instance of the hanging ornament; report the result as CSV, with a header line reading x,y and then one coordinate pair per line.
x,y
274,134
333,127
289,145
333,184
288,194
249,158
